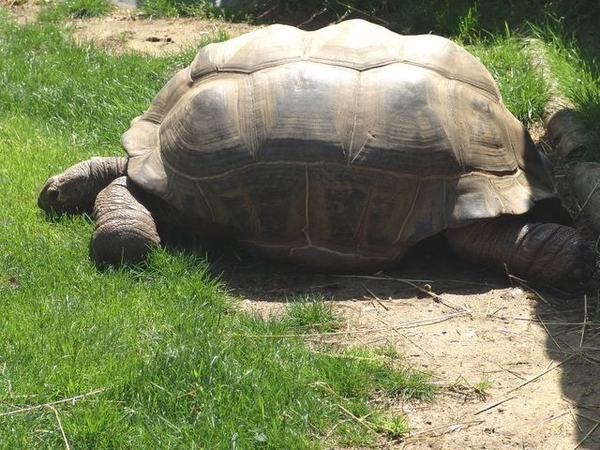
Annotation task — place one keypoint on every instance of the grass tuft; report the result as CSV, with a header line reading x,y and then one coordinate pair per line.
x,y
312,314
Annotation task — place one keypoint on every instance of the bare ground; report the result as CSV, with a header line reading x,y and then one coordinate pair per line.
x,y
517,368
127,31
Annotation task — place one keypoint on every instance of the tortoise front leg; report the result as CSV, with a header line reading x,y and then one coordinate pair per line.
x,y
551,253
125,229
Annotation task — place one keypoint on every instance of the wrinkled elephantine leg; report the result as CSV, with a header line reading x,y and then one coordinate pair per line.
x,y
125,229
546,252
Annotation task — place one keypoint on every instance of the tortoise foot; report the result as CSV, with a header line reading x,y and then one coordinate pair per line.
x,y
125,229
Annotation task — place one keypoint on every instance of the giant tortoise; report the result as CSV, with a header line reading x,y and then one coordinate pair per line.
x,y
336,149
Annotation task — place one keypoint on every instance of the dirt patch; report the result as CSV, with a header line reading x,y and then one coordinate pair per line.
x,y
517,369
127,31
22,11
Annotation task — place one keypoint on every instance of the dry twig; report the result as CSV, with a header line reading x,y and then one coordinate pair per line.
x,y
360,420
377,299
425,289
51,404
62,430
585,320
589,433
447,428
541,374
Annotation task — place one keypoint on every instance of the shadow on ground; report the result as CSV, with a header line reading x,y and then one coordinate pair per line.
x,y
573,342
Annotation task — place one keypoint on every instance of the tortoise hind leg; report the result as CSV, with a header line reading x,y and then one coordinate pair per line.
x,y
546,252
125,229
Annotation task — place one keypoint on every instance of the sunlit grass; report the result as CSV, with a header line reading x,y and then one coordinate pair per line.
x,y
578,79
524,90
75,9
312,314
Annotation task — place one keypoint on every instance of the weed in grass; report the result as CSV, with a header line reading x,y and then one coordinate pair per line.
x,y
468,26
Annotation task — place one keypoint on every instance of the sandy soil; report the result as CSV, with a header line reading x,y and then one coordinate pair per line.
x,y
535,351
127,31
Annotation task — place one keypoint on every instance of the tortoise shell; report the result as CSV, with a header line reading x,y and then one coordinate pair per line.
x,y
339,147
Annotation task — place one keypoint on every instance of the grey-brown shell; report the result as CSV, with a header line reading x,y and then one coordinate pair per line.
x,y
336,147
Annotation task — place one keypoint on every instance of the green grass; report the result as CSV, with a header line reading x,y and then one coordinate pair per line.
x,y
578,76
163,354
523,89
312,314
75,9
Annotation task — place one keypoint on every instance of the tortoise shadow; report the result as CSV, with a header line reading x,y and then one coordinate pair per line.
x,y
430,263
573,342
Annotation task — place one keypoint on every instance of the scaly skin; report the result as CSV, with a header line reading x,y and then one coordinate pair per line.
x,y
547,252
75,189
125,229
